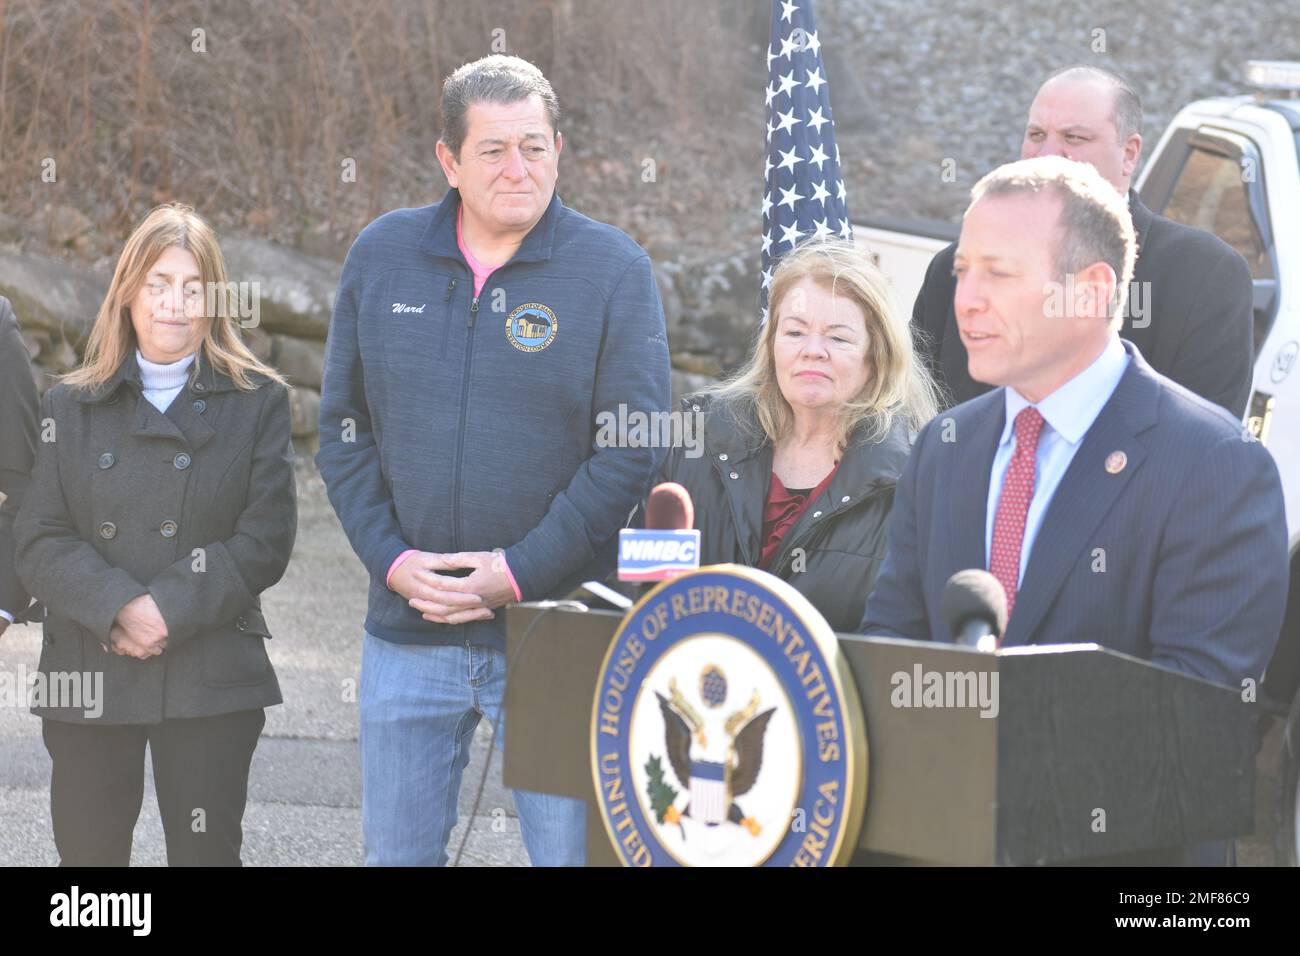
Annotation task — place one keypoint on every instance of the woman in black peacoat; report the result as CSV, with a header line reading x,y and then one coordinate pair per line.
x,y
161,505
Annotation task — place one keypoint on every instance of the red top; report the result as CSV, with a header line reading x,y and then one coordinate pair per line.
x,y
782,511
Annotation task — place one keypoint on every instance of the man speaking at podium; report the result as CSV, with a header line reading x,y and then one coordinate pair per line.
x,y
1113,505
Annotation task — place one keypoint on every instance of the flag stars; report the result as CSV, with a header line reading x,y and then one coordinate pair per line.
x,y
809,201
790,197
788,121
789,159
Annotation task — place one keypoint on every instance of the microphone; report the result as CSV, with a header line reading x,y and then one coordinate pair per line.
x,y
669,508
668,546
974,607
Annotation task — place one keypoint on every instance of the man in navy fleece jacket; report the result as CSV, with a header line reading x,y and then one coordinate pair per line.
x,y
473,344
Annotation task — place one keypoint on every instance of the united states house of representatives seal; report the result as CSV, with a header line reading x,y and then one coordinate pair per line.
x,y
726,729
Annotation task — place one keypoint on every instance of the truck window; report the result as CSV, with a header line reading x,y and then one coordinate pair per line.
x,y
1210,194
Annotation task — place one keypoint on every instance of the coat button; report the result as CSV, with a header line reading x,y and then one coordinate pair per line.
x,y
106,460
107,530
199,387
844,499
199,406
817,514
168,528
181,461
735,475
722,457
695,408
241,624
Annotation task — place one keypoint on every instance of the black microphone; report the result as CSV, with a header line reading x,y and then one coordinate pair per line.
x,y
974,606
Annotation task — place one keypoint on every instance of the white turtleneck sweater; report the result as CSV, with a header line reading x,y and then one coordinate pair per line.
x,y
162,383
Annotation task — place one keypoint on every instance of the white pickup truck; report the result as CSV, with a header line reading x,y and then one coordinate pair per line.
x,y
1230,165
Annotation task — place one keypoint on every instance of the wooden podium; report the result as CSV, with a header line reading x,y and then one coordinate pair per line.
x,y
1091,753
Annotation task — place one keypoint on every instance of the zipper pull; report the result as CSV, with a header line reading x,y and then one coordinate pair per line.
x,y
473,311
451,287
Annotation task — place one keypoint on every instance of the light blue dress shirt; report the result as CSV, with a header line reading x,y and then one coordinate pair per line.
x,y
1067,413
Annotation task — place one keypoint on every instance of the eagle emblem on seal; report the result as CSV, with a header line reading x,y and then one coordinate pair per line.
x,y
712,776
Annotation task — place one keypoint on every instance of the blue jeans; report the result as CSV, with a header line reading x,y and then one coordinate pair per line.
x,y
419,708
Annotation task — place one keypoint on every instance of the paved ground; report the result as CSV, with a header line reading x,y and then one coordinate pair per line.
x,y
304,804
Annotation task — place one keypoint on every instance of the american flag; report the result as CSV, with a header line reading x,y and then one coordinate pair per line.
x,y
804,193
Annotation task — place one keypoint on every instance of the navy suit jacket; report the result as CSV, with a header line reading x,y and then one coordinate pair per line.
x,y
1191,534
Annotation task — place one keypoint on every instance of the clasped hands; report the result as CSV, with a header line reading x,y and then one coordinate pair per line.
x,y
138,630
445,599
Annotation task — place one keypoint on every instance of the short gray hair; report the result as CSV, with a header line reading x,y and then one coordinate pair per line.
x,y
1126,108
492,79
1095,224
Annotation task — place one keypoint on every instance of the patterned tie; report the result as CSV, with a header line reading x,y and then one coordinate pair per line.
x,y
1013,505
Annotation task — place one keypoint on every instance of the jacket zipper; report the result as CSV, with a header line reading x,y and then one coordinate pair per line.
x,y
789,545
810,532
446,325
457,537
746,557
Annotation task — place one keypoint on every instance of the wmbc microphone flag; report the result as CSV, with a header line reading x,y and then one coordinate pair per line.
x,y
804,192
654,554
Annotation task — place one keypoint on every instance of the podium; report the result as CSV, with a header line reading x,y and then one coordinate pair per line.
x,y
1088,753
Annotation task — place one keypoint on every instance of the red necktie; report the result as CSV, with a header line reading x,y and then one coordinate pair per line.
x,y
1013,505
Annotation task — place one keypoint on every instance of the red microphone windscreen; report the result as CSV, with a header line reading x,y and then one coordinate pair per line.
x,y
669,508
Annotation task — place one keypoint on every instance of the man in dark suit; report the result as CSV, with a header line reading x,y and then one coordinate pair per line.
x,y
1112,504
18,403
1190,305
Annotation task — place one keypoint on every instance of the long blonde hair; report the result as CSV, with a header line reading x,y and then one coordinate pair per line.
x,y
898,384
112,337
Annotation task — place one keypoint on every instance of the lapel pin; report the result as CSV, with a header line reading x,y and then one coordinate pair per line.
x,y
1115,462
